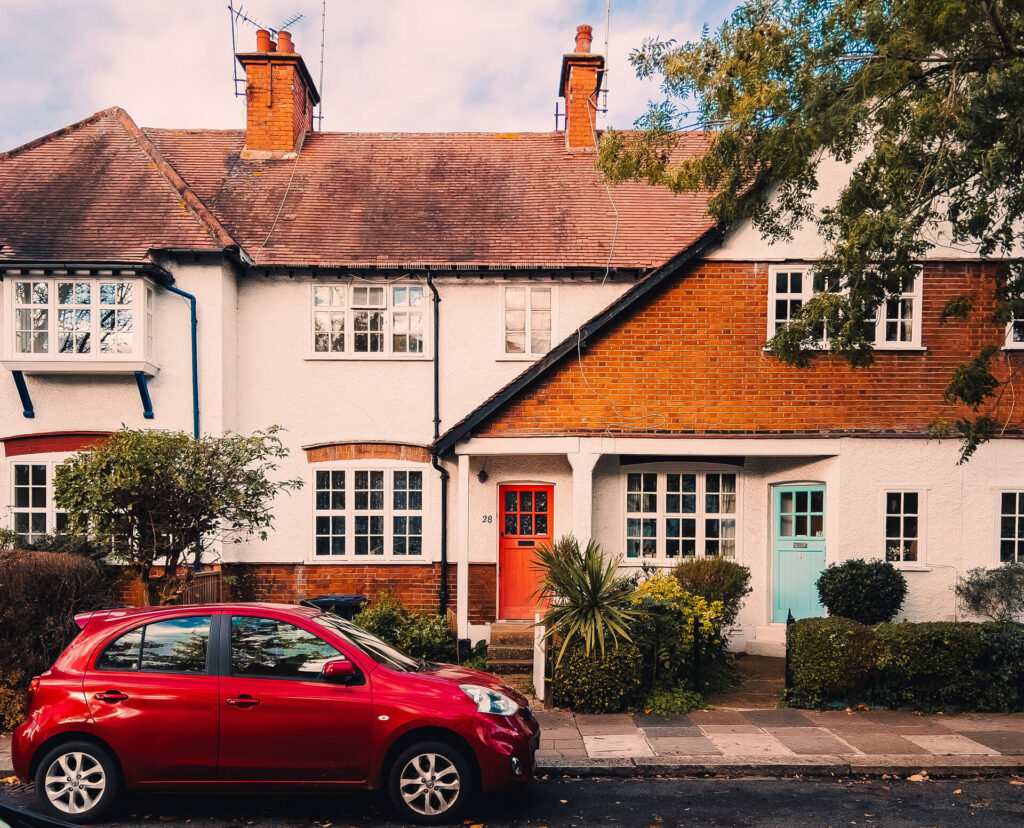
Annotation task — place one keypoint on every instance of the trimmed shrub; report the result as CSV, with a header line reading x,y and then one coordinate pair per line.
x,y
870,592
417,635
663,631
716,579
831,659
12,700
994,593
677,701
40,593
595,683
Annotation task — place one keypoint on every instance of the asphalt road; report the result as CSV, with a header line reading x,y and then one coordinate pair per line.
x,y
628,802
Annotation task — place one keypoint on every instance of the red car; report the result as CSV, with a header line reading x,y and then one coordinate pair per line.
x,y
260,695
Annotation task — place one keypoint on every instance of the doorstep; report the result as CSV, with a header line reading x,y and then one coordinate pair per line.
x,y
769,640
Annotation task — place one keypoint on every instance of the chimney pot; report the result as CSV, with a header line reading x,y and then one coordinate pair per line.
x,y
262,40
584,37
284,42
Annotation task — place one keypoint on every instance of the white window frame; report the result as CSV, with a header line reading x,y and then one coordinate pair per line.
x,y
140,358
880,343
661,514
1019,492
389,513
50,510
348,309
528,355
922,513
1010,342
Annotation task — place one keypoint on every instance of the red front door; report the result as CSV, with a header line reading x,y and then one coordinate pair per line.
x,y
525,523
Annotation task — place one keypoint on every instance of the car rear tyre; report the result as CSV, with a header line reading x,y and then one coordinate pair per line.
x,y
430,783
77,782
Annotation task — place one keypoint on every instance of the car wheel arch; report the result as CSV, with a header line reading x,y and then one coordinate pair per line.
x,y
428,734
73,736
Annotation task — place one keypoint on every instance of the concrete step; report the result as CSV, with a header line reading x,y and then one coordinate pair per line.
x,y
502,668
515,635
507,652
769,640
523,682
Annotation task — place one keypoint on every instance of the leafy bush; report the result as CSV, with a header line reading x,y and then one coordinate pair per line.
x,y
588,602
66,543
12,700
929,666
597,683
830,659
675,701
40,593
716,579
417,635
870,592
663,630
478,658
994,593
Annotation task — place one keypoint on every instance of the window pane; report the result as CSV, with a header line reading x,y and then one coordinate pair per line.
x,y
269,648
177,645
122,653
515,298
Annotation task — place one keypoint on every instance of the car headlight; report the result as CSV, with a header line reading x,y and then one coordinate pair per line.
x,y
490,701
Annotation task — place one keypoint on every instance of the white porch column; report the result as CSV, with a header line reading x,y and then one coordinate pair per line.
x,y
583,463
462,548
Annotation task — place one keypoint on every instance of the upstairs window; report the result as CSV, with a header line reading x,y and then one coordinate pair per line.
x,y
368,320
898,324
528,315
80,318
368,513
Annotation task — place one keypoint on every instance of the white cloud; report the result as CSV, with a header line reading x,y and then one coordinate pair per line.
x,y
402,65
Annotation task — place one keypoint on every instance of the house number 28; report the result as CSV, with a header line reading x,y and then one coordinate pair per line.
x,y
487,519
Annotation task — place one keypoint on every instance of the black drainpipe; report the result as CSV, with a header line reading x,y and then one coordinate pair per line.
x,y
435,461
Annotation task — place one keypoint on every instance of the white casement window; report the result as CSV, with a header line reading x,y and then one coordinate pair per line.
x,y
363,514
368,321
33,511
528,314
1011,527
903,526
680,514
1014,334
80,319
899,318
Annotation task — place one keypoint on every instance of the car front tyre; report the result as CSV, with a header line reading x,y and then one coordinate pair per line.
x,y
430,783
77,782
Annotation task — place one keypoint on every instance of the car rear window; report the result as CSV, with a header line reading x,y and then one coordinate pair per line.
x,y
175,645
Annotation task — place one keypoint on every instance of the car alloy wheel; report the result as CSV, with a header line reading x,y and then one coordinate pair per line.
x,y
430,784
77,781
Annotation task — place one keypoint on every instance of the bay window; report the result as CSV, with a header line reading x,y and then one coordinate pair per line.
x,y
94,323
368,321
676,514
366,513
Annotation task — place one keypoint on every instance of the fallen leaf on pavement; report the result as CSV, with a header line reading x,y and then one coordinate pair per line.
x,y
958,791
1012,782
918,777
10,780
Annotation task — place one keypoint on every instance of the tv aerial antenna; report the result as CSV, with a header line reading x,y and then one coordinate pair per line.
x,y
240,16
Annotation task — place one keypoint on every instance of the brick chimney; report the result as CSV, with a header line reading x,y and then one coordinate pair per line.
x,y
581,78
280,96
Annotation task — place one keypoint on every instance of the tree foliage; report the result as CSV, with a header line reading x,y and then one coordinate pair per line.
x,y
923,99
159,498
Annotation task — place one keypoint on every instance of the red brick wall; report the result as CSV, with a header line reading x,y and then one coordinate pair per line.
x,y
416,584
278,109
691,362
580,111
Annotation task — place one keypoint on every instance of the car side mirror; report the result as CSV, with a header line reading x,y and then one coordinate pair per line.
x,y
340,671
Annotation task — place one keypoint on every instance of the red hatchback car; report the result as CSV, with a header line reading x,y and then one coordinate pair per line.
x,y
237,695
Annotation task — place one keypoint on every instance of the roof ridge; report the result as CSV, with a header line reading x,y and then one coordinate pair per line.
x,y
57,133
199,210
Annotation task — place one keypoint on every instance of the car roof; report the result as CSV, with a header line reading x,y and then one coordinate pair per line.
x,y
117,614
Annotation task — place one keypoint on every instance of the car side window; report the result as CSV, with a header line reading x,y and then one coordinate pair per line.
x,y
269,648
176,645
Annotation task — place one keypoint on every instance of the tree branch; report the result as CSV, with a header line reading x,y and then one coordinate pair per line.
x,y
997,23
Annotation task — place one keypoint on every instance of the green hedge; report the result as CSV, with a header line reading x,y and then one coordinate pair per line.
x,y
926,666
598,684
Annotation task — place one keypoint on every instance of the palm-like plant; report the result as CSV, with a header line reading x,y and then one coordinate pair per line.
x,y
586,598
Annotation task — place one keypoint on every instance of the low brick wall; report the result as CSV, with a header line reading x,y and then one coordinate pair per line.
x,y
416,584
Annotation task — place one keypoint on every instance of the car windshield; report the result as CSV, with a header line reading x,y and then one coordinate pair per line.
x,y
376,649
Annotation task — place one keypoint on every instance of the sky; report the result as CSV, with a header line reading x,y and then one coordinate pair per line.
x,y
390,65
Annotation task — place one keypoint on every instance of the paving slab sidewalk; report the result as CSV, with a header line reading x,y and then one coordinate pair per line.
x,y
735,742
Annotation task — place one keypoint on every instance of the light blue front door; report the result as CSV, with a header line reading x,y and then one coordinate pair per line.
x,y
799,555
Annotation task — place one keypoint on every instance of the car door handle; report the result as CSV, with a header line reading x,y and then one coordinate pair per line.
x,y
243,701
112,696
